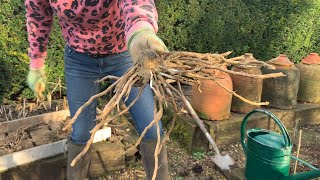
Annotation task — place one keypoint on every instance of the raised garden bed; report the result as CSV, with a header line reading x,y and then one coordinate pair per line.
x,y
29,143
31,132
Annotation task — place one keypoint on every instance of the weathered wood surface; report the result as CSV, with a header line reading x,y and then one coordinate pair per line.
x,y
48,162
39,143
42,140
10,126
103,160
54,168
30,155
44,150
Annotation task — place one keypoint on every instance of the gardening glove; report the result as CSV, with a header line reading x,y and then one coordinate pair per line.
x,y
37,81
145,39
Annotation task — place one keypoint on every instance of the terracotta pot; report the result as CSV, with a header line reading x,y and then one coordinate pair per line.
x,y
281,92
249,88
211,101
309,88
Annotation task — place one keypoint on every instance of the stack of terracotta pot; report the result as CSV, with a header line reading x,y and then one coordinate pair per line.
x,y
300,83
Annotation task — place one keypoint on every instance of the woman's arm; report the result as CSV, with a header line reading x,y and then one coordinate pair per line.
x,y
140,14
141,27
39,22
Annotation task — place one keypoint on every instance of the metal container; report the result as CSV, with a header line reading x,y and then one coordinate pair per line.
x,y
249,88
281,92
268,154
309,88
211,101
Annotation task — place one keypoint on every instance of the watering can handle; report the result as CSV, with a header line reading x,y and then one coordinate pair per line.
x,y
277,121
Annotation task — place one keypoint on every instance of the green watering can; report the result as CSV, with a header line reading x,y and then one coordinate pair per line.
x,y
268,153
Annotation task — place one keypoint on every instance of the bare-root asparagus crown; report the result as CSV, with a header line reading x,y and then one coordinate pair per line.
x,y
154,70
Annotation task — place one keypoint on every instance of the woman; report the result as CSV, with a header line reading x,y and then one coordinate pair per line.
x,y
98,34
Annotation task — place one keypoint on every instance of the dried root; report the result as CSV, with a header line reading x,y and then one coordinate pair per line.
x,y
154,70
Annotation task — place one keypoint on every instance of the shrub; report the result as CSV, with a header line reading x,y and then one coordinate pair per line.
x,y
263,27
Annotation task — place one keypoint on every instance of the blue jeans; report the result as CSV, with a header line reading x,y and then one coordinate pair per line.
x,y
81,72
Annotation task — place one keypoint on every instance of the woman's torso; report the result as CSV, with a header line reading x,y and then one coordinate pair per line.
x,y
95,26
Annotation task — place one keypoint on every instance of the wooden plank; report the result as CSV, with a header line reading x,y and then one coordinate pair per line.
x,y
29,155
54,168
40,152
43,118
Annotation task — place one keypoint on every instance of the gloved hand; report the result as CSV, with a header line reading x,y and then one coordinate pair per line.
x,y
37,81
145,39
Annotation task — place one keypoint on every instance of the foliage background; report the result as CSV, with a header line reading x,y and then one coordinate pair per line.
x,y
263,27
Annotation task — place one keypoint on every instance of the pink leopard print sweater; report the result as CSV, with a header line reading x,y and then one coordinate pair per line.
x,y
89,26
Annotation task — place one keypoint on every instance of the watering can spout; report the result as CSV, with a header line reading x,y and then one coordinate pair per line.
x,y
303,176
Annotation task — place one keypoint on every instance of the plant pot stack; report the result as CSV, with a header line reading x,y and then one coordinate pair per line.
x,y
301,83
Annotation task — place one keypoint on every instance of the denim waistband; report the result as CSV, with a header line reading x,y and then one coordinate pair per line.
x,y
96,55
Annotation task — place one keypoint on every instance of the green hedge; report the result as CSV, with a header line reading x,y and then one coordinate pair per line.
x,y
263,27
14,61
